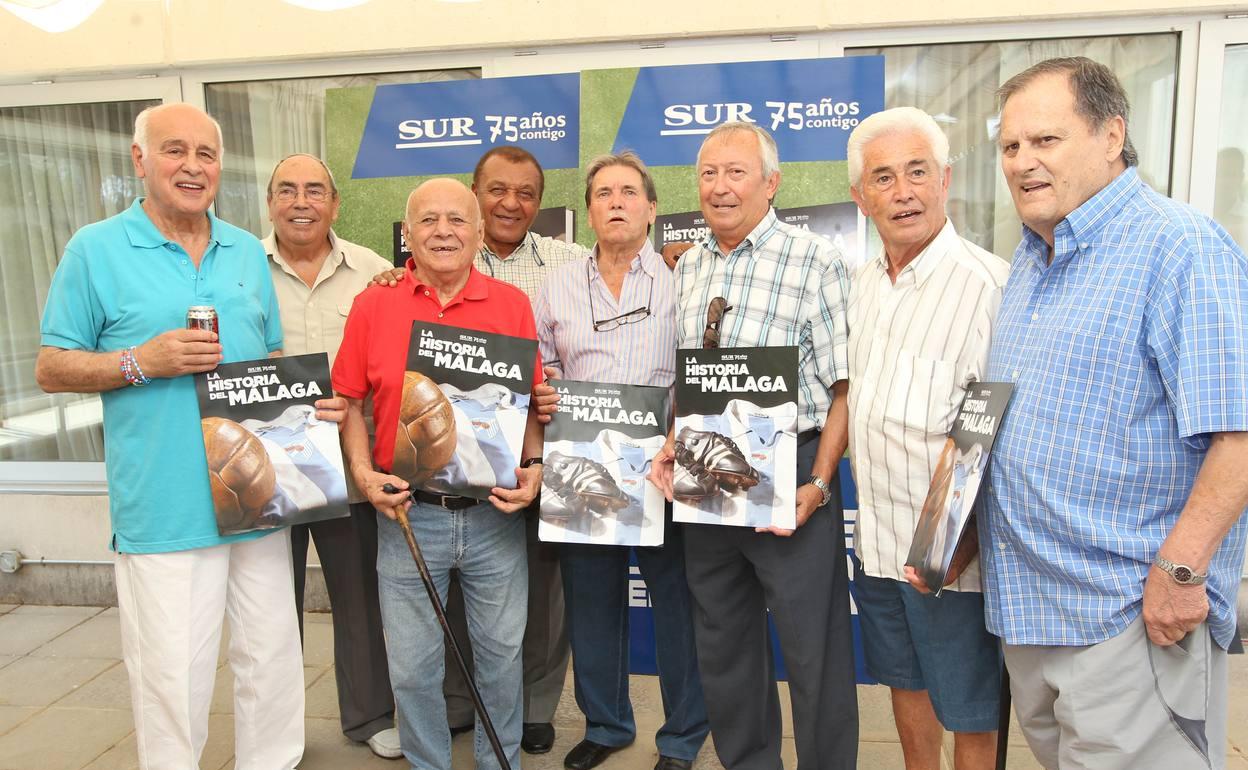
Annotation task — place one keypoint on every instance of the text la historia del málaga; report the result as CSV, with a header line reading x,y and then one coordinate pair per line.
x,y
731,378
974,417
603,409
258,389
465,357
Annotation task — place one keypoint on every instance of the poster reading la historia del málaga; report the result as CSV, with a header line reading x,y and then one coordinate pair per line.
x,y
599,446
271,462
736,437
956,480
463,411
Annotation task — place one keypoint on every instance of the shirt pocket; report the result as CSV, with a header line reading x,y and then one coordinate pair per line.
x,y
333,319
921,394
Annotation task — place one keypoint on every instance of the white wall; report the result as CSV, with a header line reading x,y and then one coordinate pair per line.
x,y
125,36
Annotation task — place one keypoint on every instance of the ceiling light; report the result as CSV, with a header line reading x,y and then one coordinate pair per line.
x,y
52,15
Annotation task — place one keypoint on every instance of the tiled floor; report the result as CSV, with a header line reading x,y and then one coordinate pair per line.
x,y
65,705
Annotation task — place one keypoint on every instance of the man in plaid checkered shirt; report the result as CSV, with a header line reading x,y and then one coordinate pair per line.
x,y
1112,531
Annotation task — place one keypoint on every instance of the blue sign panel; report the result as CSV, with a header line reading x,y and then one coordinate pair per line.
x,y
423,129
808,105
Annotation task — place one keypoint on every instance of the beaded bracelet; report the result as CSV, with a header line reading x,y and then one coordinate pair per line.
x,y
130,368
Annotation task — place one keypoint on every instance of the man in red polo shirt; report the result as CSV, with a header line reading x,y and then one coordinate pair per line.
x,y
480,539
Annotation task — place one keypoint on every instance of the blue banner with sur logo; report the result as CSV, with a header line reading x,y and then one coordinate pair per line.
x,y
809,106
424,129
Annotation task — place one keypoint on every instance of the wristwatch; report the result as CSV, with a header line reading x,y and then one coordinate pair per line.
x,y
822,486
1182,574
529,463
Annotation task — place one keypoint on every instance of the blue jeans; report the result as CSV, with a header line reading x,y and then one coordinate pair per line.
x,y
595,590
487,547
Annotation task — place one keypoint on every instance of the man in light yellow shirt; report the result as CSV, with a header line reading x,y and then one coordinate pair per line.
x,y
316,276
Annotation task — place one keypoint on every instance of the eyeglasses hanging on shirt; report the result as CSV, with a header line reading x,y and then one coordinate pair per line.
x,y
607,324
714,315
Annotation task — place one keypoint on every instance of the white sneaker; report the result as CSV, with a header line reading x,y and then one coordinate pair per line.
x,y
385,744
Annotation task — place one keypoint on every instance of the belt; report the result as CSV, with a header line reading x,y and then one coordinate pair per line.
x,y
449,502
806,436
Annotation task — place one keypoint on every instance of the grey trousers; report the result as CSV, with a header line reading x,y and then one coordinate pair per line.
x,y
735,575
1123,704
546,650
348,551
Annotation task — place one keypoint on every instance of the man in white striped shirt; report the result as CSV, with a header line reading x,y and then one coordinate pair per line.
x,y
612,318
920,321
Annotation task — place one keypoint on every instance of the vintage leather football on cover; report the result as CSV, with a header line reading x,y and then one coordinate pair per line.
x,y
426,434
239,471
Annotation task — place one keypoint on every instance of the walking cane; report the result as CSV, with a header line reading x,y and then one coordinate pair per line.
x,y
1003,719
440,611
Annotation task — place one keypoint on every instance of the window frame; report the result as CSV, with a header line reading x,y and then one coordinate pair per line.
x,y
1215,36
67,477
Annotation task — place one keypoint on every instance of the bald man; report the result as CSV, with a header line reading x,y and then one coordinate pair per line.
x,y
484,540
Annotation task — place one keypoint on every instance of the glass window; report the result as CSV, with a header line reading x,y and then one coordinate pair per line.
x,y
263,121
956,83
61,167
1230,197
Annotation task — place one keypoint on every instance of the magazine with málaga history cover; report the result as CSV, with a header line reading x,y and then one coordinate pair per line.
x,y
736,437
464,408
955,483
599,446
271,462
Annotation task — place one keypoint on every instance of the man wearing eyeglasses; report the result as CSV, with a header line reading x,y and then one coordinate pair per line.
x,y
612,318
780,286
316,276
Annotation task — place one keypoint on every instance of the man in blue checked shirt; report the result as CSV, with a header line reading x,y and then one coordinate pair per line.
x,y
1112,530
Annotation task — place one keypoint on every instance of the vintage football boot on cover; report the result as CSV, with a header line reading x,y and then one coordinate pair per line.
x,y
691,487
718,455
584,477
560,505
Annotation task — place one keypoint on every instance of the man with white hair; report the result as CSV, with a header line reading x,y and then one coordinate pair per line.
x,y
120,287
782,286
920,320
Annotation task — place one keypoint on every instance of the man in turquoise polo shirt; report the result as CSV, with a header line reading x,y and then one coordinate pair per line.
x,y
114,325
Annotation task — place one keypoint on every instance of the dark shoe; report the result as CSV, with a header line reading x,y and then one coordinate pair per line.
x,y
538,737
672,763
555,505
718,455
570,474
587,754
461,729
691,487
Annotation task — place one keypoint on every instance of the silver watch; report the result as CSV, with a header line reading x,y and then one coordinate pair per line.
x,y
822,486
1182,574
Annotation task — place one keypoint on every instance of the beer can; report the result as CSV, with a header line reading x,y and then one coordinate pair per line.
x,y
203,317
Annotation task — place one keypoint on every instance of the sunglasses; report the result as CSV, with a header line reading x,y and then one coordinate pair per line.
x,y
714,315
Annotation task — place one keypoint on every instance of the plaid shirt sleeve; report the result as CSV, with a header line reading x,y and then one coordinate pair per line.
x,y
831,325
1197,328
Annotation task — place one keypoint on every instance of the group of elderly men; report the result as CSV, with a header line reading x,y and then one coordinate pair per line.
x,y
1109,534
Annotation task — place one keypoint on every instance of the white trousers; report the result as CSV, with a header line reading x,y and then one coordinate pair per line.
x,y
172,605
